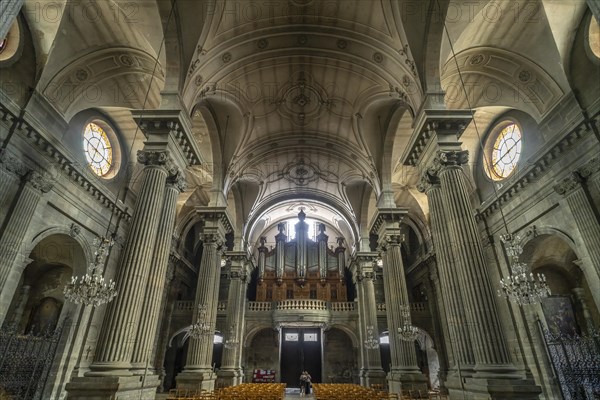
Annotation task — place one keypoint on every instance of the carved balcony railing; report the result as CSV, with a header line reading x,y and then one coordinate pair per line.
x,y
342,306
260,306
301,304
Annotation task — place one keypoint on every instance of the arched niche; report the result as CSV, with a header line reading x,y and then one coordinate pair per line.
x,y
570,308
340,361
261,351
38,303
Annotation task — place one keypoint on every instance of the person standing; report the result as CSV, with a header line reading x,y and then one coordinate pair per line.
x,y
305,380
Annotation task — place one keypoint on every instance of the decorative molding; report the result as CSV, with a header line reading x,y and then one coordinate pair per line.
x,y
451,158
385,216
12,164
535,170
176,124
69,167
72,82
212,238
528,80
38,181
74,230
569,184
432,123
153,157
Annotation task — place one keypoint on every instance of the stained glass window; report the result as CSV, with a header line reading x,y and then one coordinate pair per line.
x,y
506,152
98,150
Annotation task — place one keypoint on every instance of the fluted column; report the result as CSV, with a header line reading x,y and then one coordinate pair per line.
x,y
198,372
148,324
574,190
487,339
9,9
162,339
403,355
458,341
117,338
33,186
231,372
371,371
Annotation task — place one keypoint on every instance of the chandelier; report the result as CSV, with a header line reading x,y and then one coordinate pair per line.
x,y
407,331
232,340
91,289
202,328
521,286
371,343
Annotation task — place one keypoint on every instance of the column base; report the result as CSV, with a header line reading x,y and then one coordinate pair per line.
x,y
370,377
495,389
112,387
196,380
229,377
407,379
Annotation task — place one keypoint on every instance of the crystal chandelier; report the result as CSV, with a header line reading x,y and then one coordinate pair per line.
x,y
202,328
232,340
522,286
371,343
407,331
91,289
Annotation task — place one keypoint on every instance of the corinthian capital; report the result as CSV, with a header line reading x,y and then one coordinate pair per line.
x,y
429,179
177,180
153,157
590,168
212,238
569,184
38,181
451,158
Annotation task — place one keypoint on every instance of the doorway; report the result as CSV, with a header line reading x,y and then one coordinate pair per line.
x,y
300,350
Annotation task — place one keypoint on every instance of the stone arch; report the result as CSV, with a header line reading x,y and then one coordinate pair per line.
x,y
340,363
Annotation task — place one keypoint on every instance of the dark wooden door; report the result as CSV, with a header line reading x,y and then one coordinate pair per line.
x,y
300,350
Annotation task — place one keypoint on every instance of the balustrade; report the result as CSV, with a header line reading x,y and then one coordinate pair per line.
x,y
342,306
301,304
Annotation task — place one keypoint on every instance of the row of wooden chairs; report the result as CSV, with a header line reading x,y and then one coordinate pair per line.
x,y
347,391
246,391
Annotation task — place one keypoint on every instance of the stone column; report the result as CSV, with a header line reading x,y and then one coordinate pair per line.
x,y
33,186
143,350
118,334
577,197
439,312
371,371
198,372
231,372
162,339
494,372
9,9
457,339
404,370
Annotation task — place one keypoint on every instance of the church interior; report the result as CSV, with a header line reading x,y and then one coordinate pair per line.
x,y
207,199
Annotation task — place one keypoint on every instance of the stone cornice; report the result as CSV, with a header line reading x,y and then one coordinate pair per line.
x,y
176,124
431,123
386,216
216,215
533,171
66,165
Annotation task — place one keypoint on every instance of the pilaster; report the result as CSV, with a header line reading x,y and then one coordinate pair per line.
x,y
33,186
